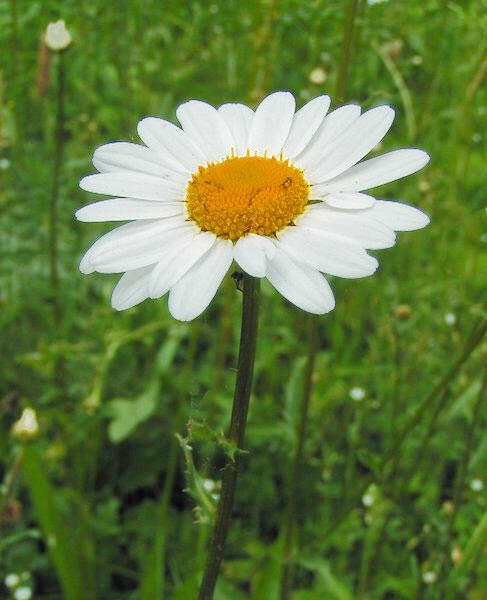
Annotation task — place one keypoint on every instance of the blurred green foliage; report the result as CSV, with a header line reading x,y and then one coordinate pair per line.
x,y
108,503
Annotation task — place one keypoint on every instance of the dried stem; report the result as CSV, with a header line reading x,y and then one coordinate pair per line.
x,y
14,473
346,50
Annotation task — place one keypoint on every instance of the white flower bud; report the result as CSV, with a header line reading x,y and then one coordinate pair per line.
x,y
23,593
27,426
357,394
57,37
317,76
12,580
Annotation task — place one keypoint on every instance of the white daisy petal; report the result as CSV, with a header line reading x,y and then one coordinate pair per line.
x,y
271,124
146,253
132,288
356,141
197,288
171,142
238,118
177,261
333,125
305,123
399,216
344,200
85,266
252,253
206,128
327,252
124,156
127,209
132,185
302,285
131,238
379,170
358,227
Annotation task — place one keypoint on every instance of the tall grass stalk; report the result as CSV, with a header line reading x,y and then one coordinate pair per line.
x,y
346,52
153,577
294,480
56,170
478,332
243,385
462,476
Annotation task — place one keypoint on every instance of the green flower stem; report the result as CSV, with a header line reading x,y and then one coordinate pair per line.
x,y
243,385
53,206
294,483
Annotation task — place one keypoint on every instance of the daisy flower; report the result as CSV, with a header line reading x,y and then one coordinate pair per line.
x,y
277,191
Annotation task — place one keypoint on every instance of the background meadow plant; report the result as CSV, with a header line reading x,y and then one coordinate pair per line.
x,y
391,502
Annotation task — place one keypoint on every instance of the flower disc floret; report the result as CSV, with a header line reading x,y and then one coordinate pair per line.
x,y
248,194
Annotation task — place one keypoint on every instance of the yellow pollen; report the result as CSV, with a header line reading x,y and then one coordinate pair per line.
x,y
248,194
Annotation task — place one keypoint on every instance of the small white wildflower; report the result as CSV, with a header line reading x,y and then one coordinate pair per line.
x,y
4,163
429,577
476,137
368,499
372,2
23,593
57,37
12,580
450,318
357,394
417,60
483,238
370,496
317,76
482,110
477,485
27,426
209,485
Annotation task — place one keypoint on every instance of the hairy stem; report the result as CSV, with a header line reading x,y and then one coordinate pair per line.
x,y
245,368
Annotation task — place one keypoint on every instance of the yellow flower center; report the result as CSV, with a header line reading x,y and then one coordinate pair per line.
x,y
249,194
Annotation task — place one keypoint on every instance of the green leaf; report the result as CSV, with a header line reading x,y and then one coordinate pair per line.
x,y
195,486
127,414
58,530
336,589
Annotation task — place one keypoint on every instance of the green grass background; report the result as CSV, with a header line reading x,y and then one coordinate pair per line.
x,y
109,504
